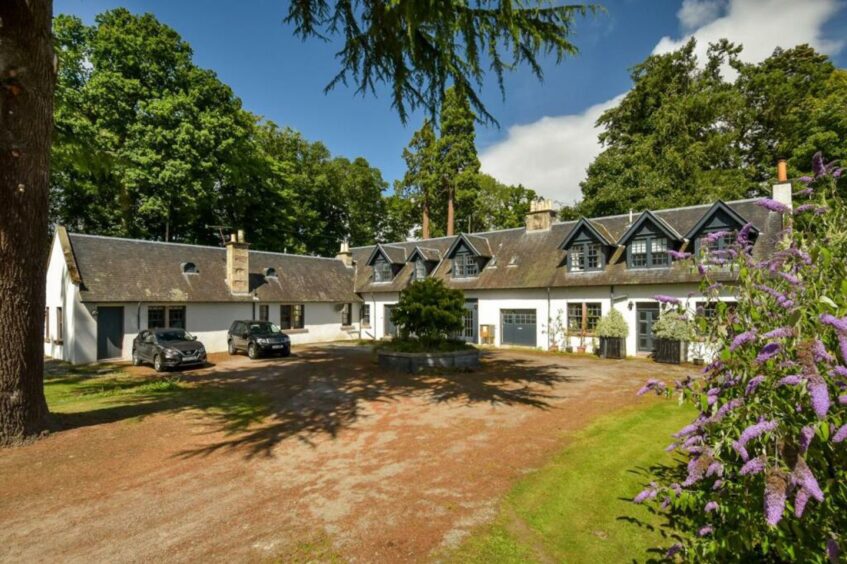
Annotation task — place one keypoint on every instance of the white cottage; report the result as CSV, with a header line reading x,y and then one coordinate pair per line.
x,y
101,291
520,284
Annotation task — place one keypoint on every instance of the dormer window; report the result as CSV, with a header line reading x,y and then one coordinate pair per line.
x,y
189,268
465,266
715,243
270,272
649,252
420,269
383,271
585,257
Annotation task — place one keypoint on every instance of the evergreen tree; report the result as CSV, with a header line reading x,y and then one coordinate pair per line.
x,y
457,157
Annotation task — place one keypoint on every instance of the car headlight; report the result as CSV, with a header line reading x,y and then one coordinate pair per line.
x,y
172,353
262,341
285,338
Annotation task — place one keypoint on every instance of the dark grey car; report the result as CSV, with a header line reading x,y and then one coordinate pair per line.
x,y
257,338
167,348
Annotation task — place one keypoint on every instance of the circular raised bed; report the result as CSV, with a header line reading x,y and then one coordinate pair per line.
x,y
415,362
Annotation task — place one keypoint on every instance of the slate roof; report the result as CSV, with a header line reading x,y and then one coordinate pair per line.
x,y
541,261
128,270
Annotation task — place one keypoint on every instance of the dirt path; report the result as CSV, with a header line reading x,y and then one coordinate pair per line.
x,y
350,462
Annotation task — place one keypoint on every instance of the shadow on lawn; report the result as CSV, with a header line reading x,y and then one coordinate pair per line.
x,y
321,392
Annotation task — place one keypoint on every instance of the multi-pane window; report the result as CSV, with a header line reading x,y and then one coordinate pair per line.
x,y
60,325
420,269
264,313
709,310
347,315
291,316
468,324
161,316
585,256
649,252
366,314
583,317
725,241
465,266
382,271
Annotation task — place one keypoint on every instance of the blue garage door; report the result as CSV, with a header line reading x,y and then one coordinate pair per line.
x,y
110,332
519,327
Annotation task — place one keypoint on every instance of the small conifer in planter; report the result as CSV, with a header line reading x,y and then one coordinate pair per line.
x,y
612,330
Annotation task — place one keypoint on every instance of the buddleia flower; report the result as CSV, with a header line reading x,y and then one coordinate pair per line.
x,y
711,506
819,395
800,501
840,324
742,339
780,333
803,477
707,530
806,436
775,487
840,434
793,380
773,205
753,466
768,352
833,551
753,384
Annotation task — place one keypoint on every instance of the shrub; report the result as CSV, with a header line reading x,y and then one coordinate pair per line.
x,y
430,311
673,324
612,325
763,468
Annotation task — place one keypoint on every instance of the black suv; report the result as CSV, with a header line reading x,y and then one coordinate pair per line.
x,y
257,338
167,348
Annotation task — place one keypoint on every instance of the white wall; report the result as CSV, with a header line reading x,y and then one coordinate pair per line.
x,y
378,303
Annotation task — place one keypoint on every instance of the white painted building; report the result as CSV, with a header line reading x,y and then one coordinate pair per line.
x,y
543,285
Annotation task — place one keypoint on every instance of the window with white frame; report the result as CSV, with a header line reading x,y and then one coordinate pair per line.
x,y
264,312
366,314
465,265
648,252
383,271
583,317
347,315
420,269
585,257
291,316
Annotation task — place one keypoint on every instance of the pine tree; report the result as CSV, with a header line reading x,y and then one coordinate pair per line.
x,y
457,157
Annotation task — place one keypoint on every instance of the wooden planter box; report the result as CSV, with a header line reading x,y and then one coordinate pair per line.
x,y
670,352
612,347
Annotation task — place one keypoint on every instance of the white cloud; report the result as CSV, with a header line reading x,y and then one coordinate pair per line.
x,y
549,155
552,154
697,13
762,25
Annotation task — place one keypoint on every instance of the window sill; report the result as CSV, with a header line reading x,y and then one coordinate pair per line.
x,y
295,331
365,325
348,327
58,342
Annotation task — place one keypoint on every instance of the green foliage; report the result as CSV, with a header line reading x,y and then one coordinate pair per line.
x,y
419,48
150,145
773,410
685,134
674,325
612,325
429,310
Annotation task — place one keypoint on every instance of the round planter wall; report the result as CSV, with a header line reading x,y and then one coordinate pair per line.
x,y
415,362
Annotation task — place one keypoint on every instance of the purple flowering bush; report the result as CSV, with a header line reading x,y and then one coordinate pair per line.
x,y
762,472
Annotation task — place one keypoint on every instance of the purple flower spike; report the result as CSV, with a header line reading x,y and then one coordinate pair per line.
x,y
803,477
839,371
661,298
676,255
818,165
842,344
806,436
840,435
711,506
839,324
774,499
820,353
842,400
768,352
792,380
716,236
673,550
773,205
800,501
833,551
753,384
649,493
707,530
753,466
742,339
754,431
781,333
820,396
652,384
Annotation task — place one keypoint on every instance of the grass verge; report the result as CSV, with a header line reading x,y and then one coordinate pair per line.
x,y
578,507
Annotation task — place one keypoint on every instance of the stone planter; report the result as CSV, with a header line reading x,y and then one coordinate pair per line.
x,y
415,362
670,352
612,347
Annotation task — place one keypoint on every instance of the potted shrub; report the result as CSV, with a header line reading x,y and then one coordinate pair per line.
x,y
672,332
612,331
581,347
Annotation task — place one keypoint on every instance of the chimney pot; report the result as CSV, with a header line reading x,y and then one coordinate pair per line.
x,y
782,171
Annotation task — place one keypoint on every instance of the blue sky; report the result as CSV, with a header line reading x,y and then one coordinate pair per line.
x,y
546,137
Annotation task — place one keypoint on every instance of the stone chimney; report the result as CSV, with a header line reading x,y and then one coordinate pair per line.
x,y
238,264
344,254
541,215
782,190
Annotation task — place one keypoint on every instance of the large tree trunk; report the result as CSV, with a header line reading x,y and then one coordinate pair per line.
x,y
27,74
425,222
450,213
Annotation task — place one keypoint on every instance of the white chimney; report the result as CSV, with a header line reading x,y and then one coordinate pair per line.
x,y
344,254
238,264
782,190
541,215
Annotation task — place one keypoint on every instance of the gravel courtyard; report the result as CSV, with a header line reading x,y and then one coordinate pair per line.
x,y
344,461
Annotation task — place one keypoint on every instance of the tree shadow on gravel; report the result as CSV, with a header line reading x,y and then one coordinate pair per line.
x,y
318,392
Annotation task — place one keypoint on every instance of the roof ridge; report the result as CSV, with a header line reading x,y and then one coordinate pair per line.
x,y
193,245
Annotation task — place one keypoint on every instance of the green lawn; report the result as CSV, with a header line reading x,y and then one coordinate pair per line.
x,y
577,508
84,395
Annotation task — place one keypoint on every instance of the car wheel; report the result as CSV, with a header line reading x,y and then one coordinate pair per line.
x,y
136,360
157,363
253,351
286,353
231,348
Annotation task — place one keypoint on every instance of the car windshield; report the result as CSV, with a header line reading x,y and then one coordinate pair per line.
x,y
174,335
264,329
